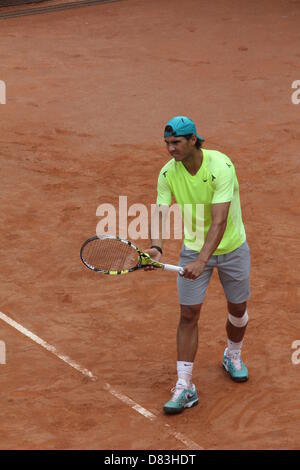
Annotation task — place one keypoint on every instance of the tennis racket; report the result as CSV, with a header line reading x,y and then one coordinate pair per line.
x,y
113,255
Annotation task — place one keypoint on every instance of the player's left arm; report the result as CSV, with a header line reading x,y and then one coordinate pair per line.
x,y
219,212
215,234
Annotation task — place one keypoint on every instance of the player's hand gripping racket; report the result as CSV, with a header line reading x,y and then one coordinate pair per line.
x,y
112,255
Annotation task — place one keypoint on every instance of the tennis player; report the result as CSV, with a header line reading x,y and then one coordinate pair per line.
x,y
197,177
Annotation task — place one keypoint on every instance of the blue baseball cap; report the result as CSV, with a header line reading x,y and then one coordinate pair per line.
x,y
179,126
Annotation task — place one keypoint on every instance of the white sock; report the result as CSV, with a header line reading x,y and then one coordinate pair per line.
x,y
185,371
234,346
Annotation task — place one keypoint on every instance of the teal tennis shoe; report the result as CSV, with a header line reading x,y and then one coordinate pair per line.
x,y
183,397
233,364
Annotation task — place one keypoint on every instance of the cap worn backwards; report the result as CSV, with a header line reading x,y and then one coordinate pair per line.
x,y
180,126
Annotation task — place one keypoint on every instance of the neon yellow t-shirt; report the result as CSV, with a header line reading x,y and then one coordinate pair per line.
x,y
215,182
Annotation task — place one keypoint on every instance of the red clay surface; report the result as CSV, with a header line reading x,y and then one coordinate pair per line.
x,y
88,94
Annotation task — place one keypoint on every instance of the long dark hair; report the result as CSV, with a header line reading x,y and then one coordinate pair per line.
x,y
198,143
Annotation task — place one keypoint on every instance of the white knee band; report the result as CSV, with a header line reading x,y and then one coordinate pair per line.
x,y
239,322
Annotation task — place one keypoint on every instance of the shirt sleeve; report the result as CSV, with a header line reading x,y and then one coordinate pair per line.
x,y
224,185
164,193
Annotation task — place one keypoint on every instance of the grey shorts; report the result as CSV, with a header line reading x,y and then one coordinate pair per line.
x,y
233,269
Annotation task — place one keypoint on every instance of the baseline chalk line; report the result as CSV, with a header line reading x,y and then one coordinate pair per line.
x,y
191,445
47,346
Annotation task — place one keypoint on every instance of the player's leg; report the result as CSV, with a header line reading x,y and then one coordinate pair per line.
x,y
237,321
185,393
234,271
236,326
187,332
187,341
191,295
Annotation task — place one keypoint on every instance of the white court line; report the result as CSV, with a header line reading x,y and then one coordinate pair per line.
x,y
46,345
130,402
191,445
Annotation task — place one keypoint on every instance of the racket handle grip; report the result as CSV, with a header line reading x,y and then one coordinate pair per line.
x,y
171,267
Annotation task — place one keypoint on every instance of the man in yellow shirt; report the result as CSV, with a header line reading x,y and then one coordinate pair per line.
x,y
205,186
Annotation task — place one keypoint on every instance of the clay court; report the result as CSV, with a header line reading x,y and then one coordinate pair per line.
x,y
88,92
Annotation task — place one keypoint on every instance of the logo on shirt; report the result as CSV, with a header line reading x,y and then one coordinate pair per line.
x,y
228,165
164,173
213,177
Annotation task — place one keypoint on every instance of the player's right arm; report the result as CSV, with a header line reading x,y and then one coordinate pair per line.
x,y
158,222
159,215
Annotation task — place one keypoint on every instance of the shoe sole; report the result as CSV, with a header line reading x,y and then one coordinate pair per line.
x,y
174,411
235,379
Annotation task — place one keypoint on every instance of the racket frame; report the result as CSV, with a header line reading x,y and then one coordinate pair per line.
x,y
143,258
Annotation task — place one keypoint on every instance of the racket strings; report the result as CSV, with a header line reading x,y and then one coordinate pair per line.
x,y
110,255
